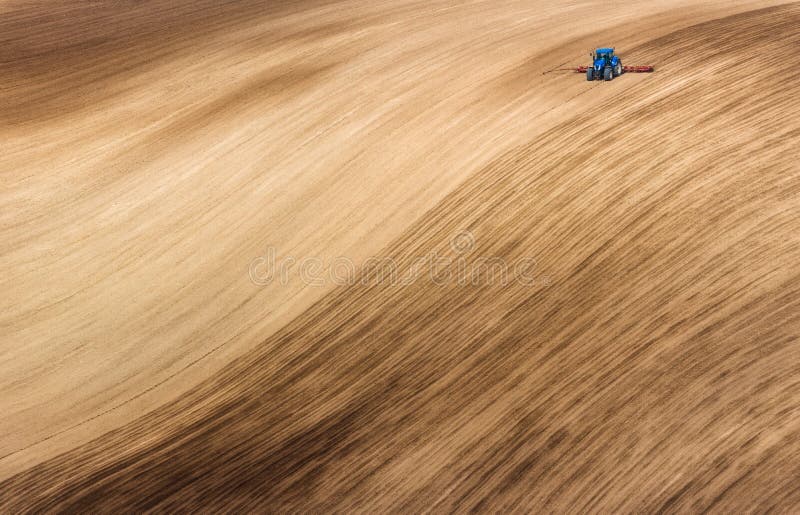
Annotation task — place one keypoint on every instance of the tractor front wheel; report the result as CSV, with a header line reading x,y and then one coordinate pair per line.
x,y
608,73
590,74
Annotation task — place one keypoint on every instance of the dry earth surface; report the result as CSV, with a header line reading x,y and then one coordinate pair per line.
x,y
152,151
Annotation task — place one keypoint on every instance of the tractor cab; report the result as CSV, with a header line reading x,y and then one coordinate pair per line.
x,y
604,53
603,57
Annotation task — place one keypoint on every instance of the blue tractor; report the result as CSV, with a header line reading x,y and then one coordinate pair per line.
x,y
605,65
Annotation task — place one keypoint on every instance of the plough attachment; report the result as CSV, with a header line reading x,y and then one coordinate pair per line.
x,y
605,65
625,69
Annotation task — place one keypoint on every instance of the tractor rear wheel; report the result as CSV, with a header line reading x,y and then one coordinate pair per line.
x,y
589,74
618,70
608,73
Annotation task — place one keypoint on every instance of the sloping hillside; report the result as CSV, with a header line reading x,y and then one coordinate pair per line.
x,y
649,360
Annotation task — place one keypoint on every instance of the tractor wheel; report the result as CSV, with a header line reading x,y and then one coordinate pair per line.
x,y
618,70
590,74
608,73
